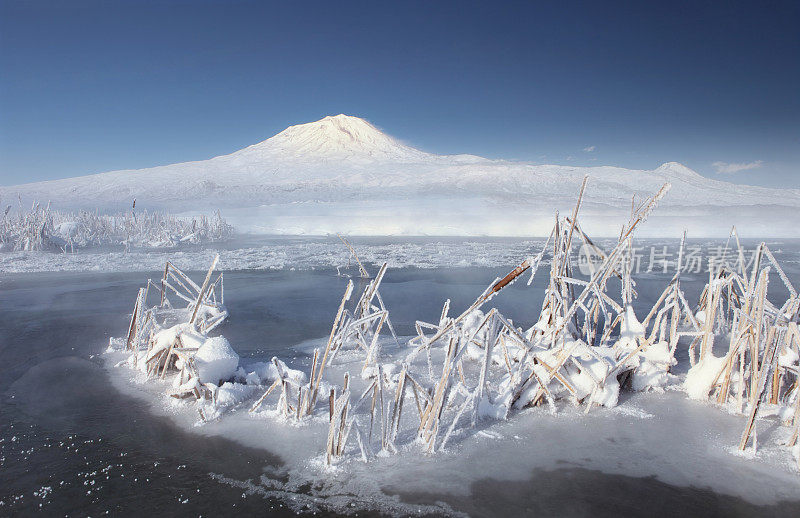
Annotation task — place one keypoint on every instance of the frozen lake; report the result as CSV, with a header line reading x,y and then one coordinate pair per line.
x,y
72,441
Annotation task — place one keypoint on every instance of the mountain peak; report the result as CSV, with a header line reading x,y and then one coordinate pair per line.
x,y
337,137
676,169
342,118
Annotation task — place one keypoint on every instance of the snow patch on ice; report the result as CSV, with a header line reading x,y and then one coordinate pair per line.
x,y
701,377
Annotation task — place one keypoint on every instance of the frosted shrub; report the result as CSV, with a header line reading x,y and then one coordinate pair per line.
x,y
43,229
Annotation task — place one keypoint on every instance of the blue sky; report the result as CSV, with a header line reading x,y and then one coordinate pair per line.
x,y
87,86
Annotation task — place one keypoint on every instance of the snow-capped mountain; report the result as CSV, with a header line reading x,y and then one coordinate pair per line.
x,y
341,174
332,138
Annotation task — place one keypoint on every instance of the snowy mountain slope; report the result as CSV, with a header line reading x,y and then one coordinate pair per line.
x,y
324,176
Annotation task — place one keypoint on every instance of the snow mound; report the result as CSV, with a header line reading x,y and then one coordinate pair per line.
x,y
702,376
216,360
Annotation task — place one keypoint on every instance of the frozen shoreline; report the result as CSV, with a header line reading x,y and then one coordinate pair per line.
x,y
664,435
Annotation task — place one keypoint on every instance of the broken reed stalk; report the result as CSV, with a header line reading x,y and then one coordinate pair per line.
x,y
316,381
202,292
361,269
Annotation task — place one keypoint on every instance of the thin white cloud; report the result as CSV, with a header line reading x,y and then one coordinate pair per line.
x,y
730,168
589,149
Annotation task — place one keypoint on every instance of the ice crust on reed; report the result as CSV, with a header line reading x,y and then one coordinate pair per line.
x,y
43,229
377,394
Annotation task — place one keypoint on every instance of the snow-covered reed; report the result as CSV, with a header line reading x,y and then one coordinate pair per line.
x,y
379,396
163,338
758,374
31,230
41,228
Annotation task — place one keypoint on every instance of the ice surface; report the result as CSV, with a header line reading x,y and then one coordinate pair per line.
x,y
308,253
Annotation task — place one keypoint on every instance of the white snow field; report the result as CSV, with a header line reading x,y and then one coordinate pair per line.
x,y
341,174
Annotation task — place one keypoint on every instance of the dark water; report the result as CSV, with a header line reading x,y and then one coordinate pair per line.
x,y
71,445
